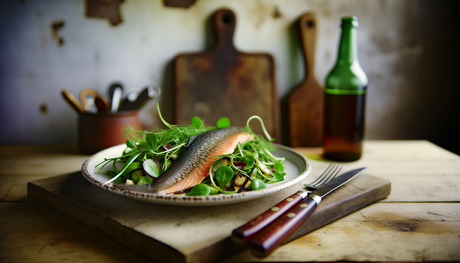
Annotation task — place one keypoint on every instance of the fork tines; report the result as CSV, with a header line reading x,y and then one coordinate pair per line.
x,y
330,173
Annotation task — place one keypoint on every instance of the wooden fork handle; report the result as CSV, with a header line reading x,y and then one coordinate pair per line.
x,y
277,233
244,233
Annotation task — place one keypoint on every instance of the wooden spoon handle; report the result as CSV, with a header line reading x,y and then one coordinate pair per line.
x,y
102,104
87,92
244,233
70,98
280,230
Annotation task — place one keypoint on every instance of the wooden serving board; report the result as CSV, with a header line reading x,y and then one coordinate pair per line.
x,y
305,102
187,234
224,82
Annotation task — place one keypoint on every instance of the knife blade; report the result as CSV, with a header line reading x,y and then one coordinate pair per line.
x,y
281,229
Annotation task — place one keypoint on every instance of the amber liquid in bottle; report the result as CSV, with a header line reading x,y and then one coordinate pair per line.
x,y
345,94
344,130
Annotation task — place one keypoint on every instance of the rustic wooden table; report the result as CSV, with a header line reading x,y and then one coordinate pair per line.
x,y
419,221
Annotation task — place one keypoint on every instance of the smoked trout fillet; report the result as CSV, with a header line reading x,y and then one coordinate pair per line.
x,y
193,164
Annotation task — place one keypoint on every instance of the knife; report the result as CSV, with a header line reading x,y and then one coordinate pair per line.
x,y
244,233
280,230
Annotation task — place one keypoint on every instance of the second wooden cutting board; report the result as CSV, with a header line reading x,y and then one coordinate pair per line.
x,y
305,103
224,82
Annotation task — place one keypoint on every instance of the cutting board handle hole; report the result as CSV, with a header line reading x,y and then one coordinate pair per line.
x,y
310,24
227,20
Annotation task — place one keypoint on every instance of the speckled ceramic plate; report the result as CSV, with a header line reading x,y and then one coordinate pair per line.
x,y
297,167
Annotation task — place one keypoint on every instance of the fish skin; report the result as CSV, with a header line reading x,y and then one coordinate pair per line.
x,y
201,149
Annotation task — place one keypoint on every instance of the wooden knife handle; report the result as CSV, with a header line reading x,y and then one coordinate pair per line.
x,y
244,233
278,232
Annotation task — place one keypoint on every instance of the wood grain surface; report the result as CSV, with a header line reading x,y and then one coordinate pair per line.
x,y
418,222
163,233
224,82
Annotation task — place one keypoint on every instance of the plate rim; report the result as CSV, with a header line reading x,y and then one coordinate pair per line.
x,y
211,200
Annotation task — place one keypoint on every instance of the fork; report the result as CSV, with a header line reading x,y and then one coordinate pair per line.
x,y
330,173
244,233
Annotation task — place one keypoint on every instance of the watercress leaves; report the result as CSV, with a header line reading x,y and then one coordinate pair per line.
x,y
258,184
125,167
130,144
278,177
202,189
223,122
151,141
249,160
279,167
279,171
133,166
119,180
223,175
157,150
144,180
197,123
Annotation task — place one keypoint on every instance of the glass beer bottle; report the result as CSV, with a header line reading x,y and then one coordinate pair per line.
x,y
345,91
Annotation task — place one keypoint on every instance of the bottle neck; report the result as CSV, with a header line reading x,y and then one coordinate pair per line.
x,y
348,46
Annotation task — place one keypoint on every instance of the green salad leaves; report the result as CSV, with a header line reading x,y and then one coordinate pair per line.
x,y
149,153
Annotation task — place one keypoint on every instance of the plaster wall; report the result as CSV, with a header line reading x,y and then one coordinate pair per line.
x,y
407,48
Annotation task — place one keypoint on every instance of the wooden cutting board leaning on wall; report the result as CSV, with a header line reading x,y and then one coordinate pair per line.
x,y
224,82
305,103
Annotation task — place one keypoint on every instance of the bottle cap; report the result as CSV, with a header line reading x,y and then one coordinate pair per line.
x,y
350,21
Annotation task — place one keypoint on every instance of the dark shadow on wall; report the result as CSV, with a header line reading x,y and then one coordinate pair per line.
x,y
440,72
